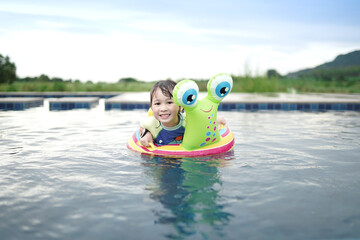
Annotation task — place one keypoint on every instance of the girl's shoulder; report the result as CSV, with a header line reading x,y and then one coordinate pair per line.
x,y
151,124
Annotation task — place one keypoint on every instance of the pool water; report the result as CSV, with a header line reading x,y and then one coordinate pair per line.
x,y
69,175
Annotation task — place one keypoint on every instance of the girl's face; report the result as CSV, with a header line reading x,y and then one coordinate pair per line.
x,y
164,109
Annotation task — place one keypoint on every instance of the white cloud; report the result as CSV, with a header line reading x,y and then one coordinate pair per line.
x,y
120,43
111,57
75,10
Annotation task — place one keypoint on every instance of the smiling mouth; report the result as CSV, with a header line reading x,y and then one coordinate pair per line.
x,y
208,110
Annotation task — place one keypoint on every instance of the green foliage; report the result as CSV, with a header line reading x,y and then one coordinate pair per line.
x,y
338,69
334,74
256,84
127,80
77,86
43,78
241,84
7,70
344,79
272,73
344,60
321,86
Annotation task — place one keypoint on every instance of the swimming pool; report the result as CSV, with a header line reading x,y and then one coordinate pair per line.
x,y
69,175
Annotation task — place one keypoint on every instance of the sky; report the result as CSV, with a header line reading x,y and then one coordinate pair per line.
x,y
160,39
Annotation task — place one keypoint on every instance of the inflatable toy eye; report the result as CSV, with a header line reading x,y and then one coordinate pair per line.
x,y
187,94
220,86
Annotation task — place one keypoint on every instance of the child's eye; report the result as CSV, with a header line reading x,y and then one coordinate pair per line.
x,y
156,103
170,102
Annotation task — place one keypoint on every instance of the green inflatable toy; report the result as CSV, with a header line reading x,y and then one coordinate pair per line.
x,y
201,115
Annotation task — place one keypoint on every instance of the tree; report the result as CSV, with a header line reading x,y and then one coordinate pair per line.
x,y
127,80
272,73
7,70
43,78
56,79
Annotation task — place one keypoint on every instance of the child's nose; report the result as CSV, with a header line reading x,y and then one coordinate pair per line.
x,y
163,107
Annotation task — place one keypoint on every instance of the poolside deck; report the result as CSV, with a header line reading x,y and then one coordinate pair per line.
x,y
140,100
17,103
69,103
254,102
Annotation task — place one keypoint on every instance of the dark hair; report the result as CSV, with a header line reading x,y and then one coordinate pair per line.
x,y
166,87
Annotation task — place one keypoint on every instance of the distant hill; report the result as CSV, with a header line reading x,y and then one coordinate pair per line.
x,y
342,61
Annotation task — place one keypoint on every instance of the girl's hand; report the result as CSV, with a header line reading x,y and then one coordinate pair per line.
x,y
221,121
147,139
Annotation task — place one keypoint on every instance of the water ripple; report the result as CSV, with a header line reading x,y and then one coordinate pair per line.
x,y
66,175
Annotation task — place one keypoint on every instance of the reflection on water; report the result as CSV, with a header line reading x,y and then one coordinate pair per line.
x,y
188,191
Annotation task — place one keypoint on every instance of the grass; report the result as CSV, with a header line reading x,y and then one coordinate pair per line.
x,y
74,87
241,84
261,85
314,85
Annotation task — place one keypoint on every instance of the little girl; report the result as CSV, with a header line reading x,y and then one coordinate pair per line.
x,y
167,125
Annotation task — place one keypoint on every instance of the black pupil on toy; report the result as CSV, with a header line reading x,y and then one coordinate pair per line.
x,y
223,90
190,98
